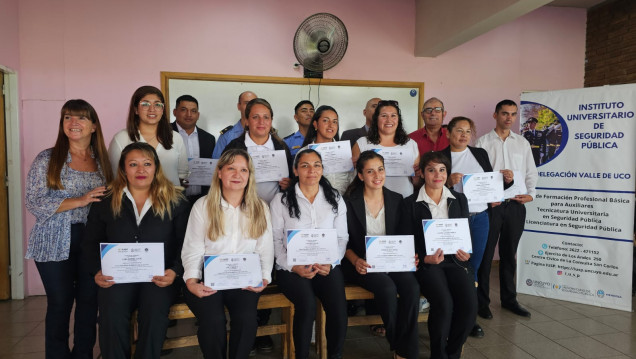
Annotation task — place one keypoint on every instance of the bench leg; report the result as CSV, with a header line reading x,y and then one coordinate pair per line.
x,y
321,339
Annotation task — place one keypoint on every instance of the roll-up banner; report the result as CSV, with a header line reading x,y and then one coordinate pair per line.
x,y
578,239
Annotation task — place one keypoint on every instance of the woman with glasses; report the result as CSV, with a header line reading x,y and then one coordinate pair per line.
x,y
257,138
311,203
466,159
373,210
324,129
387,132
148,121
445,278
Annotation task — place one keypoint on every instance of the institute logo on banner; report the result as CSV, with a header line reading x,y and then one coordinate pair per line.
x,y
529,282
600,293
559,272
556,286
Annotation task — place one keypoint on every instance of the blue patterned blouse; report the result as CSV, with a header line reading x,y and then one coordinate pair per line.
x,y
50,238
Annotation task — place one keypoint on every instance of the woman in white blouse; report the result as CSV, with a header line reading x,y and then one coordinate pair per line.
x,y
148,121
230,219
311,203
387,131
324,129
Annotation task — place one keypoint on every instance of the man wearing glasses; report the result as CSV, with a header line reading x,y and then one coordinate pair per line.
x,y
431,137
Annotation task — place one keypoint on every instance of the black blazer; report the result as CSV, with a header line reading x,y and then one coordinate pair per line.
x,y
353,135
357,220
239,143
103,226
206,141
414,212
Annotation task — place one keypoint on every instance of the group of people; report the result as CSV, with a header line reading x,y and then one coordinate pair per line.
x,y
83,194
543,142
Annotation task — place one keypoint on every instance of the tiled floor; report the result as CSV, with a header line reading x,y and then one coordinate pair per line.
x,y
557,329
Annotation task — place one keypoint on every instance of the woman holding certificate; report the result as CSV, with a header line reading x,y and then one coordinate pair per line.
x,y
445,279
258,139
313,211
324,129
142,207
373,210
148,121
231,219
468,160
387,134
61,185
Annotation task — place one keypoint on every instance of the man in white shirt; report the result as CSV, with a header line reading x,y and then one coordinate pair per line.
x,y
506,150
199,143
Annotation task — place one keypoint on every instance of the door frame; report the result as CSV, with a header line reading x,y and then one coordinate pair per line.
x,y
14,174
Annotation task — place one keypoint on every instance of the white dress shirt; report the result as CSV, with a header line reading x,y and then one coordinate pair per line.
x,y
466,163
438,211
317,215
513,154
196,243
174,161
144,209
191,142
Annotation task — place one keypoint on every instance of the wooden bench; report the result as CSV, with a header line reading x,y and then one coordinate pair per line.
x,y
352,292
270,298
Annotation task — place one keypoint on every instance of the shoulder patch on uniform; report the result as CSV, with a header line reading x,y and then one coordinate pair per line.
x,y
286,137
226,129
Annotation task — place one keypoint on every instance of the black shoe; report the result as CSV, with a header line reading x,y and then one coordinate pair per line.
x,y
517,309
485,313
477,332
253,351
264,344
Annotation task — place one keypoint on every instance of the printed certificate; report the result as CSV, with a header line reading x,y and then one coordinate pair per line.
x,y
309,246
132,262
390,253
397,161
447,234
518,187
269,165
336,156
484,187
232,271
201,171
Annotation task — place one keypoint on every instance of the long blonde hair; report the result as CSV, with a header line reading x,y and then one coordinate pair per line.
x,y
251,205
163,194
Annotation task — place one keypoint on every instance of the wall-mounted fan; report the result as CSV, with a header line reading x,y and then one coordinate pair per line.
x,y
320,43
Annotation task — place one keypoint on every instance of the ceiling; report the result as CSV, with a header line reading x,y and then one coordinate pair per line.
x,y
435,35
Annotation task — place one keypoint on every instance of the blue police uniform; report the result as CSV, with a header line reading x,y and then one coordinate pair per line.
x,y
225,138
294,142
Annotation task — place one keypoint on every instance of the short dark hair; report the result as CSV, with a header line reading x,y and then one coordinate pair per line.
x,y
303,102
454,121
435,157
503,103
188,98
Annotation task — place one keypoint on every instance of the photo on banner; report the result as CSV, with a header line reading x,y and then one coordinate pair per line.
x,y
577,243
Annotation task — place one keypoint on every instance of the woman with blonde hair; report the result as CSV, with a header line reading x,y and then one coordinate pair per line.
x,y
142,206
230,219
61,185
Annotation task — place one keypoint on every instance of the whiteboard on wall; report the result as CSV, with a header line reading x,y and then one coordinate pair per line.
x,y
218,97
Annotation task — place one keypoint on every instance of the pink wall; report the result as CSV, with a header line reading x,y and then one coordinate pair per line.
x,y
102,51
9,34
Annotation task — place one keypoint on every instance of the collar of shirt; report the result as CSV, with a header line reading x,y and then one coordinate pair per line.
x,y
144,209
183,132
423,196
425,134
319,195
225,205
267,146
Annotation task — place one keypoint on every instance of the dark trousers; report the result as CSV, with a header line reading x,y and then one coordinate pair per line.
x,y
506,226
66,282
303,292
450,289
241,304
399,315
479,224
116,305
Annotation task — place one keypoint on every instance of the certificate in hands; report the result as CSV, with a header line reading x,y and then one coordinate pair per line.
x,y
518,187
336,156
390,253
309,246
132,262
447,234
232,271
201,171
397,161
269,166
484,187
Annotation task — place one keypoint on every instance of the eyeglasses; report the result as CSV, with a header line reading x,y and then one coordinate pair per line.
x,y
158,105
388,103
429,110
